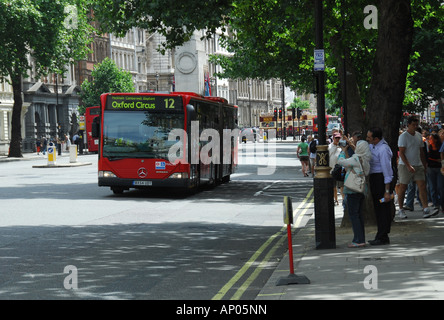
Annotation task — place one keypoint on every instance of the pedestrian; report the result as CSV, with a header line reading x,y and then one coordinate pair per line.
x,y
68,142
435,179
312,148
38,144
441,135
76,140
44,144
380,179
302,153
441,151
411,166
412,190
333,151
359,162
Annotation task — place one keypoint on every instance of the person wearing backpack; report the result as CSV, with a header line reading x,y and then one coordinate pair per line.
x,y
312,148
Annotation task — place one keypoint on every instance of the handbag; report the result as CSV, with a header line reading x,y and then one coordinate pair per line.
x,y
354,181
338,173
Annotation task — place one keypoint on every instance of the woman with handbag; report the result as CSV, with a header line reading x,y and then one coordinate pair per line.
x,y
357,168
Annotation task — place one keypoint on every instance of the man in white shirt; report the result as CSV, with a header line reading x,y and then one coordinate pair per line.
x,y
412,165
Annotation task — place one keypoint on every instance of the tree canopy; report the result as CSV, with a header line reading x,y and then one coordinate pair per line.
x,y
39,36
107,77
275,39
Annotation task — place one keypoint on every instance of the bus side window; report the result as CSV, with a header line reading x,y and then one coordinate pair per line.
x,y
95,127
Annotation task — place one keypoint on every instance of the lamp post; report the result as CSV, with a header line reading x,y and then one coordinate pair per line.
x,y
157,81
323,182
249,103
284,126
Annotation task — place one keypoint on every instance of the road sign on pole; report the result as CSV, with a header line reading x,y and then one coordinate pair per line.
x,y
319,60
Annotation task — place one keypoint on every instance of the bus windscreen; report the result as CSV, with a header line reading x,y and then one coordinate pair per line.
x,y
139,134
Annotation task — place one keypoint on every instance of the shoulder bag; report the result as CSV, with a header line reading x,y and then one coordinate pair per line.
x,y
354,181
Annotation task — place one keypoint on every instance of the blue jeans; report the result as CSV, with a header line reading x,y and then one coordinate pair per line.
x,y
435,184
411,190
354,205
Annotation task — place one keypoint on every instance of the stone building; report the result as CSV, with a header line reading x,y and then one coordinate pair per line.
x,y
53,99
6,105
50,103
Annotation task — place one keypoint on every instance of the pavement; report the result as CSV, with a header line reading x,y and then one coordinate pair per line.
x,y
411,267
62,161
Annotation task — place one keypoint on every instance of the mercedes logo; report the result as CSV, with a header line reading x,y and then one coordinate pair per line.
x,y
142,173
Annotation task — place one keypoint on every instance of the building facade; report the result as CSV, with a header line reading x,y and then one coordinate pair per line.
x,y
50,103
6,105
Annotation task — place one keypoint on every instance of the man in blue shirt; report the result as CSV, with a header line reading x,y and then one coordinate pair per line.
x,y
381,175
442,158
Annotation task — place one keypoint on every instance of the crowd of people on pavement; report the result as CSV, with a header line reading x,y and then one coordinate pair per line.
x,y
61,143
364,165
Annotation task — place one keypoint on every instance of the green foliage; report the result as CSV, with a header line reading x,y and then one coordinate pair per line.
x,y
425,82
52,33
41,28
275,39
297,103
176,20
107,77
266,41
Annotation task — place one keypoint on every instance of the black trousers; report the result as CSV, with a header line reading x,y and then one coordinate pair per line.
x,y
382,210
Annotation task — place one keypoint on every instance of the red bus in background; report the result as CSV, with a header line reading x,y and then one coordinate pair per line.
x,y
150,140
328,119
90,114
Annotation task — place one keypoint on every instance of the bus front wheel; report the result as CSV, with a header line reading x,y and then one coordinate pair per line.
x,y
117,190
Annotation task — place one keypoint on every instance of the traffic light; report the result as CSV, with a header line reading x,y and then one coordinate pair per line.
x,y
299,113
293,113
280,112
275,114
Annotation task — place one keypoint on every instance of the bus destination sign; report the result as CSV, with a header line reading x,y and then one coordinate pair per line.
x,y
143,103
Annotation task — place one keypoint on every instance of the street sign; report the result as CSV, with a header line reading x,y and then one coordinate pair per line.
x,y
51,154
319,60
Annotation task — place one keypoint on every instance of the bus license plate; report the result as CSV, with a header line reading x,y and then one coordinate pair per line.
x,y
142,183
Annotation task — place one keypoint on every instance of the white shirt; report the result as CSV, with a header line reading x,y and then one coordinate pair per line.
x,y
412,145
333,152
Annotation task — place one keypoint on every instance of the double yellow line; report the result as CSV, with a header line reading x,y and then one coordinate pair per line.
x,y
306,203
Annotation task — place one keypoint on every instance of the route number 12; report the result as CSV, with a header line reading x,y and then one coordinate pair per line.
x,y
169,103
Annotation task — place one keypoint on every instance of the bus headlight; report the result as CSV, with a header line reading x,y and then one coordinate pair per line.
x,y
106,174
179,175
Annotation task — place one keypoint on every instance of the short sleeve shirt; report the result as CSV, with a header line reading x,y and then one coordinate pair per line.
x,y
304,149
412,145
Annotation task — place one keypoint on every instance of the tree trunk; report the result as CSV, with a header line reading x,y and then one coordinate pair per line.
x,y
15,147
384,106
395,33
355,113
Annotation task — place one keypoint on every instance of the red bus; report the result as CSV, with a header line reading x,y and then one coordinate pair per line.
x,y
150,140
328,119
90,114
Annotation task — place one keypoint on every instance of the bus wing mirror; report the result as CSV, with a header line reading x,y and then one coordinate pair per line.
x,y
191,111
95,127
